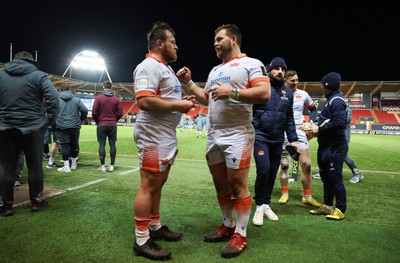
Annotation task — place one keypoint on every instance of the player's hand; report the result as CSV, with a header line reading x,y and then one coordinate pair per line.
x,y
184,75
184,106
220,91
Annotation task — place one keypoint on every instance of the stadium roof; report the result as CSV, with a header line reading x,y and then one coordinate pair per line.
x,y
125,90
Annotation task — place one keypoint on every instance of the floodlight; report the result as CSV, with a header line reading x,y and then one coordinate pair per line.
x,y
88,60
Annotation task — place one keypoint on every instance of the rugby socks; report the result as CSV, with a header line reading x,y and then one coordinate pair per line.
x,y
155,222
242,209
285,190
141,229
226,205
307,192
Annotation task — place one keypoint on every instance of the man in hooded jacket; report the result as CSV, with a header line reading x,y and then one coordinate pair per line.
x,y
24,117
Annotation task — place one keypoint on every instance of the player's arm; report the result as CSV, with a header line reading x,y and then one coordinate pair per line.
x,y
313,113
259,92
156,104
189,87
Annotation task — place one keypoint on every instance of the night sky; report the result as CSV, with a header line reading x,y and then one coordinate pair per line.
x,y
357,40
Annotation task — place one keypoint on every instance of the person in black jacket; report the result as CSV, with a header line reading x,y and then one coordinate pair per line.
x,y
271,120
23,121
69,121
332,148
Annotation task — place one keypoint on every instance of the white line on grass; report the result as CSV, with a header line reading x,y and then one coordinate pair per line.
x,y
85,185
129,171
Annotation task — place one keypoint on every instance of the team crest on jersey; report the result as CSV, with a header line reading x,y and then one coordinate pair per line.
x,y
283,92
141,84
260,152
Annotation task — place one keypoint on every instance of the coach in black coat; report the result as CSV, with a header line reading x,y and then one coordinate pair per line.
x,y
26,95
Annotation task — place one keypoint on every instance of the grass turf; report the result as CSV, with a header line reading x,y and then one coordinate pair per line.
x,y
93,220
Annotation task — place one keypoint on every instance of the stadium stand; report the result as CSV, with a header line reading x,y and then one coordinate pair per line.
x,y
127,107
386,117
357,114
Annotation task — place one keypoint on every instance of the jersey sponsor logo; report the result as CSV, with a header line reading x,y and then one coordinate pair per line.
x,y
142,72
222,79
234,64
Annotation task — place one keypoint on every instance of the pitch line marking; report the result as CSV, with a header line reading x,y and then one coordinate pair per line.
x,y
85,185
129,171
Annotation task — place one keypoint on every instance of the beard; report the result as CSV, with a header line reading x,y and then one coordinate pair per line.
x,y
223,52
169,56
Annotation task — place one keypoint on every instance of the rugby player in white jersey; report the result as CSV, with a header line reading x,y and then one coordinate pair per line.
x,y
301,99
159,97
231,89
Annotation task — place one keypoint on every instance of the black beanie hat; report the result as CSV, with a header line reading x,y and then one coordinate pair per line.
x,y
331,81
276,62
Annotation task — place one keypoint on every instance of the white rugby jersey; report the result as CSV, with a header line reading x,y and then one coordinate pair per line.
x,y
240,72
153,77
301,98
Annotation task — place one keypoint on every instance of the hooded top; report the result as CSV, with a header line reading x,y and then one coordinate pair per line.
x,y
72,111
107,109
28,99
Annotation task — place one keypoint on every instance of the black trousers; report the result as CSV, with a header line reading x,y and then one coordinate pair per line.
x,y
12,143
330,162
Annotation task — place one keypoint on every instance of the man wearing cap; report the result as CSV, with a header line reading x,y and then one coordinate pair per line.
x,y
271,120
332,148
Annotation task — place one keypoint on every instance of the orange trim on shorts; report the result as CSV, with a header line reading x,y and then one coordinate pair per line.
x,y
246,157
150,160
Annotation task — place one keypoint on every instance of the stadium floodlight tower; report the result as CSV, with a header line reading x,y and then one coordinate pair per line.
x,y
87,62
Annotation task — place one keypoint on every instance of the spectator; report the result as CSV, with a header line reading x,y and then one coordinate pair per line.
x,y
271,120
357,176
301,99
230,90
181,124
199,126
47,141
69,121
23,121
159,98
106,111
332,148
54,149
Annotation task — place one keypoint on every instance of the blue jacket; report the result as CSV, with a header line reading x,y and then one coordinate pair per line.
x,y
271,119
28,99
335,110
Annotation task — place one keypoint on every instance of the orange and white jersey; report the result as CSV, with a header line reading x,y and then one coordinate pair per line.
x,y
153,77
240,72
301,98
